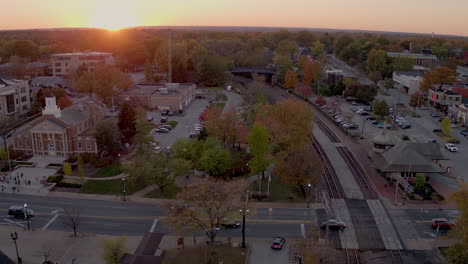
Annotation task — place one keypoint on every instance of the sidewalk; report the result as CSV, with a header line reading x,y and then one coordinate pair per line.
x,y
116,177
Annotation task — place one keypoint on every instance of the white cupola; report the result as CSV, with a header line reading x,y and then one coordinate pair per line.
x,y
51,107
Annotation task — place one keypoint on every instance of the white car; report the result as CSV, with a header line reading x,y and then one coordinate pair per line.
x,y
451,147
453,125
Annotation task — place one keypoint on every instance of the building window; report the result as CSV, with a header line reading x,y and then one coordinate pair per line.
x,y
25,107
24,98
57,64
88,145
20,143
23,89
79,145
61,145
28,143
58,70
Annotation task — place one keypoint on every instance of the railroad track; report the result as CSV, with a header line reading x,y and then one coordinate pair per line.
x,y
330,134
336,191
358,172
397,256
352,257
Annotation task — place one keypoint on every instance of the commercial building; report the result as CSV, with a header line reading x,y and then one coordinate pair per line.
x,y
65,63
61,133
442,99
14,99
172,96
31,69
408,81
420,59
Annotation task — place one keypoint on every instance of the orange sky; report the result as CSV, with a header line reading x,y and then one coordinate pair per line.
x,y
422,16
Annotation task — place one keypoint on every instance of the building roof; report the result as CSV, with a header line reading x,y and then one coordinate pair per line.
x,y
462,91
84,53
34,64
48,81
5,82
412,157
412,55
385,139
78,112
410,73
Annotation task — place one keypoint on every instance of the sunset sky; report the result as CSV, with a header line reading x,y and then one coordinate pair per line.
x,y
422,16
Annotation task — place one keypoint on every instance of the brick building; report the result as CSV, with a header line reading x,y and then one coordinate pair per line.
x,y
171,96
65,63
61,133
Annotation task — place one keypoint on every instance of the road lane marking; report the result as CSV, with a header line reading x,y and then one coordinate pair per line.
x,y
50,222
303,230
154,225
13,222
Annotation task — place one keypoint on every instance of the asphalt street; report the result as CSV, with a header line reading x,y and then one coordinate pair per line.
x,y
122,218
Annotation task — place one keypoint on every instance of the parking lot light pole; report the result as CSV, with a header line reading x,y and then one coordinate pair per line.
x,y
26,217
308,195
14,237
124,190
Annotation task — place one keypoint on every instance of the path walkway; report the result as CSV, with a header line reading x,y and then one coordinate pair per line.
x,y
116,177
233,102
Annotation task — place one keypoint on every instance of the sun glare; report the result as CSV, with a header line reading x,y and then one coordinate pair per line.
x,y
114,21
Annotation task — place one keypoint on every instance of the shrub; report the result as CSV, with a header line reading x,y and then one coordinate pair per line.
x,y
67,169
172,123
437,130
72,159
68,185
405,137
452,140
54,178
103,162
90,158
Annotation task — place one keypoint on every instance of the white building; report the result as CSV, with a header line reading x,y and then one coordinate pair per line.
x,y
408,81
65,63
14,98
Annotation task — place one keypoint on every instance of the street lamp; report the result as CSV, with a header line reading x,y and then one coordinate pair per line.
x,y
26,216
308,196
14,237
243,212
124,190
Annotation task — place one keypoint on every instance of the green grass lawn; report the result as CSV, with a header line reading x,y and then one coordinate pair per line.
x,y
172,123
201,254
106,187
113,170
279,191
220,105
169,192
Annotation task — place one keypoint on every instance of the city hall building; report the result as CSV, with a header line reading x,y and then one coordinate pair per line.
x,y
61,132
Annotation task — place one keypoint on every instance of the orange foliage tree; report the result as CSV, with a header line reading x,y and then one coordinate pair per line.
x,y
290,81
64,102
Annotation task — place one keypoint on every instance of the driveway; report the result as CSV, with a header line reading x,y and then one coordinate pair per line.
x,y
186,122
262,253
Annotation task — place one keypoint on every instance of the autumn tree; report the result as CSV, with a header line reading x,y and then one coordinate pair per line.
x,y
436,78
457,253
451,63
376,61
363,93
64,102
72,219
289,122
320,101
212,71
86,83
191,149
388,82
445,126
381,108
287,47
402,64
317,49
207,205
260,148
290,80
375,76
313,252
342,42
283,65
298,167
311,72
221,125
113,249
149,71
127,121
417,99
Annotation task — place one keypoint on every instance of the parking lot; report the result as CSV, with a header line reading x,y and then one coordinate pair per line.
x,y
186,122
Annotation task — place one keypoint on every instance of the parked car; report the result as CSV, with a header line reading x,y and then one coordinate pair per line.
x,y
193,135
18,212
453,125
435,114
161,130
278,243
370,118
149,118
380,125
405,125
423,107
230,224
375,122
164,112
333,224
368,108
171,113
464,132
168,127
163,120
353,103
451,147
431,141
364,113
389,126
442,223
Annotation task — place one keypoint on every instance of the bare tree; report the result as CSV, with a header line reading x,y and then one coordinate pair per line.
x,y
72,219
46,251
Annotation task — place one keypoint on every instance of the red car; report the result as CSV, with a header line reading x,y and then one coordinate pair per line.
x,y
442,223
278,243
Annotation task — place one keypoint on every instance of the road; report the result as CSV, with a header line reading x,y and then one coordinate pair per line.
x,y
123,218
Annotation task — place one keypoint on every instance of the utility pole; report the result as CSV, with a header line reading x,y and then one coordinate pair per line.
x,y
243,212
169,60
124,190
14,237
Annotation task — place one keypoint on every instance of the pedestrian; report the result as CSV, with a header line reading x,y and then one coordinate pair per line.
x,y
21,174
29,182
386,185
